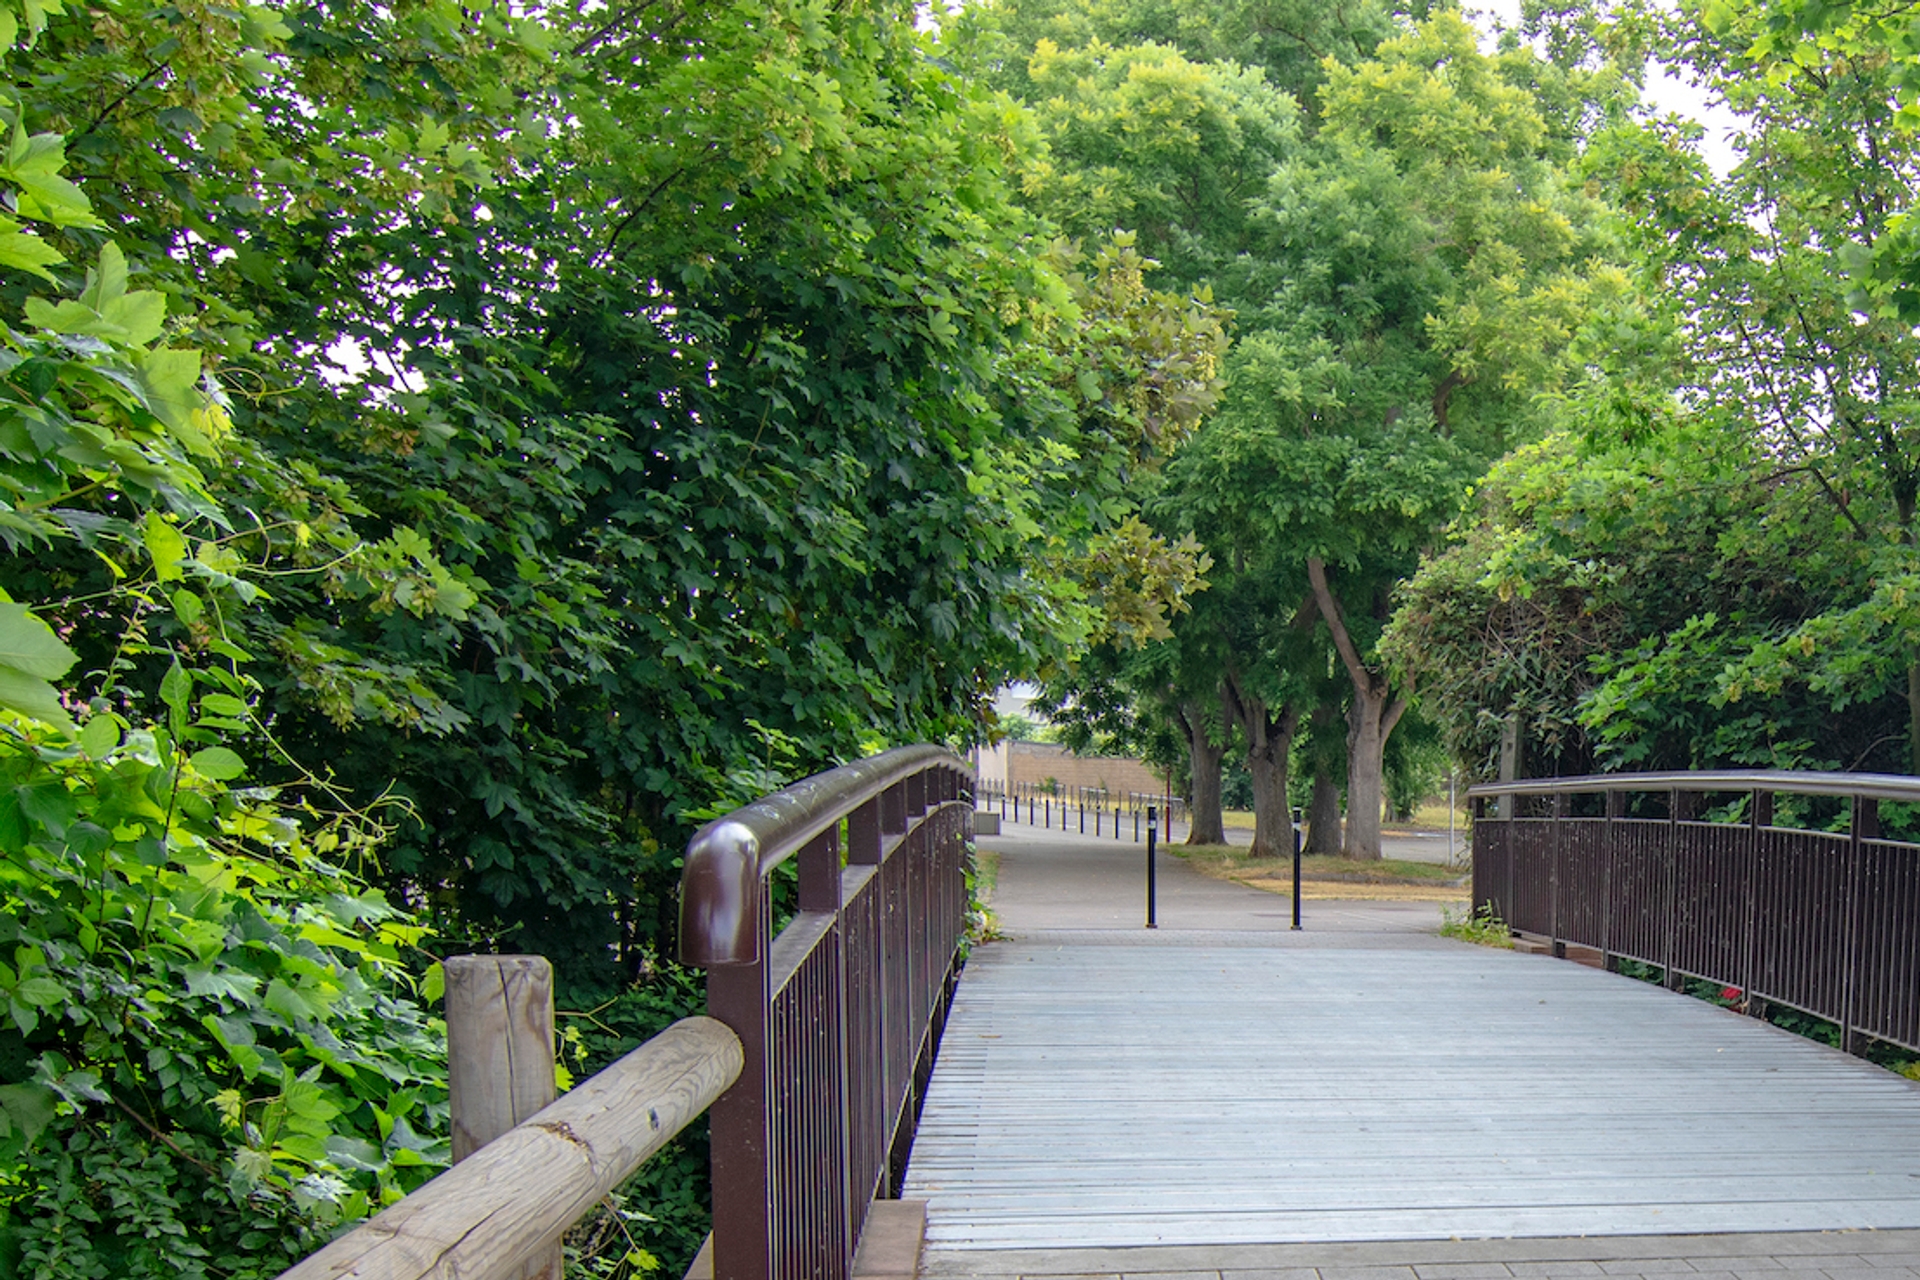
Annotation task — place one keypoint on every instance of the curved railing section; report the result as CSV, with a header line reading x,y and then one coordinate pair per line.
x,y
840,1014
1643,867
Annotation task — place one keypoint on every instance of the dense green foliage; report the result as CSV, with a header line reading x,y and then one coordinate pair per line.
x,y
210,1054
448,451
1387,209
1748,445
485,442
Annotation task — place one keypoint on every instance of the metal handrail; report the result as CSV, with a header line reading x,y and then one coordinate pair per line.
x,y
839,1016
1872,786
729,858
1821,921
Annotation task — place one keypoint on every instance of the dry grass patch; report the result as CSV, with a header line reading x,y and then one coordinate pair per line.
x,y
1323,878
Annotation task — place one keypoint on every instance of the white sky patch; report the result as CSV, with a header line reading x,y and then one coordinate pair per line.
x,y
353,362
1666,92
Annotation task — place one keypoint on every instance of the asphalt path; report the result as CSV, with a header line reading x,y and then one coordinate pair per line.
x,y
1050,880
1412,846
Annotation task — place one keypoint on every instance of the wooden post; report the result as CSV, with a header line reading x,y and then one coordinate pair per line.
x,y
485,1214
499,1057
1509,762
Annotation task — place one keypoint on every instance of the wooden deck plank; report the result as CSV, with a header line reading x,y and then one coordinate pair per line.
x,y
1192,1094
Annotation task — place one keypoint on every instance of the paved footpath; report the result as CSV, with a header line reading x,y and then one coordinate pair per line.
x,y
1406,843
1050,881
1225,1099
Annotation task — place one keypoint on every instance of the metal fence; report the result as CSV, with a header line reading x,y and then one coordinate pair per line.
x,y
1692,873
840,1014
1089,811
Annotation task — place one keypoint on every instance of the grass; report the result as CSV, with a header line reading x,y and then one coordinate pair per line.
x,y
983,874
1481,927
1329,877
1430,816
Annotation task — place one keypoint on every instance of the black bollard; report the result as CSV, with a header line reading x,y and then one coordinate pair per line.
x,y
1296,874
1151,923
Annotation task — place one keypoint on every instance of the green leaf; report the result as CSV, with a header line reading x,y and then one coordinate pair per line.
x,y
29,1107
166,546
41,993
24,251
170,379
101,736
107,283
29,646
33,698
175,687
354,1153
218,763
50,804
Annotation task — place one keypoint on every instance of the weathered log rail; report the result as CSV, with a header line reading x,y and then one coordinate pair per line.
x,y
1627,865
500,1212
821,1041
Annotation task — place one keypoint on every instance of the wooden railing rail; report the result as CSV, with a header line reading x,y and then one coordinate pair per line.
x,y
499,1213
840,1015
1825,922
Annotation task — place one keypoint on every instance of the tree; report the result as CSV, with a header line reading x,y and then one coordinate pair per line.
x,y
1137,699
1540,609
643,395
1290,41
1142,138
1421,270
1781,337
1752,448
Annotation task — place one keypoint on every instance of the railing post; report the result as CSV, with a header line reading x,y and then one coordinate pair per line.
x,y
499,1056
1553,871
738,995
820,891
1610,849
1679,809
1759,818
1483,894
1864,826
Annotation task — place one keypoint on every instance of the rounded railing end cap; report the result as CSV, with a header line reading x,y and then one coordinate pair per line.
x,y
720,896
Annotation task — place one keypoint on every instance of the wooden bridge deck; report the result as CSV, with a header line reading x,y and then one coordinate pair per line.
x,y
1108,1089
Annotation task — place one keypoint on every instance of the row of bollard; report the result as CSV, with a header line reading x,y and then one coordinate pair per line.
x,y
1040,813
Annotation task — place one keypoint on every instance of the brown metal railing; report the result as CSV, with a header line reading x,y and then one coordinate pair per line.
x,y
1826,922
839,1015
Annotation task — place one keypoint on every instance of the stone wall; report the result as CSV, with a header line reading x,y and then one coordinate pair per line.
x,y
1035,762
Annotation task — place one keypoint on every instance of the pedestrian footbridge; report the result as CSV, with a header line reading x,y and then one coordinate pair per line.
x,y
1226,1098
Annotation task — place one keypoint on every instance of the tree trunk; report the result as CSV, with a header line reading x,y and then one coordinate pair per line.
x,y
1203,760
1371,717
1366,771
1913,715
1323,813
1269,740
